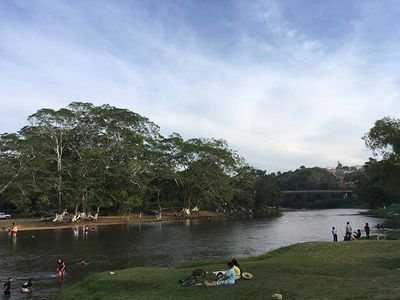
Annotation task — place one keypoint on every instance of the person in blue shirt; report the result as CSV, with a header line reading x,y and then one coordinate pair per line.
x,y
227,279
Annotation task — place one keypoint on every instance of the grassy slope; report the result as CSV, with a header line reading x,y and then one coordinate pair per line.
x,y
345,270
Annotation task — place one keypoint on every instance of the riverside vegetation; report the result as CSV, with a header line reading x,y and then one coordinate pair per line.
x,y
90,157
87,157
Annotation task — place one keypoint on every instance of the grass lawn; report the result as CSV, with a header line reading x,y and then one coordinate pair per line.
x,y
319,270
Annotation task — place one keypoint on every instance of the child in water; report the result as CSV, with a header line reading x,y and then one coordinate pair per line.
x,y
61,267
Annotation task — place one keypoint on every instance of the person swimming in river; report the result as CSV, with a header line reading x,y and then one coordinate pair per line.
x,y
82,263
27,286
61,267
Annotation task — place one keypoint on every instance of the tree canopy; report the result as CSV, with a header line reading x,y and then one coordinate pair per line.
x,y
379,183
90,156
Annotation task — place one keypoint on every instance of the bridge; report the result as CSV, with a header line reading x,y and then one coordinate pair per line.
x,y
318,192
312,195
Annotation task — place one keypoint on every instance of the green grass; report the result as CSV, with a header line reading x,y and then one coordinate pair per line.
x,y
345,270
390,211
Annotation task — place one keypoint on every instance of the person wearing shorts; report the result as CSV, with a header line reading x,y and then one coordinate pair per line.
x,y
61,267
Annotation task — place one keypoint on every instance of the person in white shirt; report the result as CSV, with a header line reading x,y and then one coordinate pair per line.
x,y
334,233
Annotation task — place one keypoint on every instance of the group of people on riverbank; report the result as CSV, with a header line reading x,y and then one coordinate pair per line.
x,y
350,234
229,277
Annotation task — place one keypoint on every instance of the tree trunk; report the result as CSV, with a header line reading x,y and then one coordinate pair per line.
x,y
76,209
158,201
59,200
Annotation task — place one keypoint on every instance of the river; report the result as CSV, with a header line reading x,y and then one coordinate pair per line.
x,y
33,254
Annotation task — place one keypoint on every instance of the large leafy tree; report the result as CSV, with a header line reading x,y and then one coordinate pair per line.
x,y
244,187
379,181
384,138
205,169
85,156
48,137
109,146
266,193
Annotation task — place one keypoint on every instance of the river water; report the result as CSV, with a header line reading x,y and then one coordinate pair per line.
x,y
106,248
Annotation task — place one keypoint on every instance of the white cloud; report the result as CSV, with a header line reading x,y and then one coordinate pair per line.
x,y
282,98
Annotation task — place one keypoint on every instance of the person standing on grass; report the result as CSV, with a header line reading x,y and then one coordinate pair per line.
x,y
349,231
367,230
334,233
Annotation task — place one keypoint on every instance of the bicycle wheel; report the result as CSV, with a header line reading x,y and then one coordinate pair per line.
x,y
381,237
199,273
188,282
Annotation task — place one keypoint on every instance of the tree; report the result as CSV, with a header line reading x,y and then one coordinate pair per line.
x,y
384,138
205,168
109,148
10,166
379,182
52,128
266,193
244,187
85,156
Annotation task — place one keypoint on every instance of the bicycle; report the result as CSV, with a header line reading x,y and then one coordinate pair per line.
x,y
197,274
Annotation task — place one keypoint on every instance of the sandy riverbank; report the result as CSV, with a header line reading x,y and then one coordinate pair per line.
x,y
35,223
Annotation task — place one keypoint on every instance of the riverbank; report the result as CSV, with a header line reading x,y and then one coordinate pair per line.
x,y
25,224
391,224
365,269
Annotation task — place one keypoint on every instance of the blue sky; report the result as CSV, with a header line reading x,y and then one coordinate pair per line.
x,y
285,82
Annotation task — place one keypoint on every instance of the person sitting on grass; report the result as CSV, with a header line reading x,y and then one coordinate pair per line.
x,y
227,279
237,269
357,234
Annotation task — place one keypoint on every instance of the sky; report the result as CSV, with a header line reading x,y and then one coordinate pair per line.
x,y
286,82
